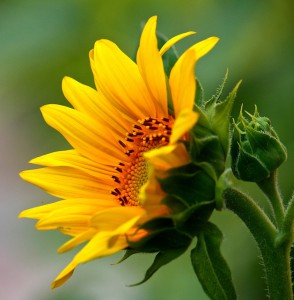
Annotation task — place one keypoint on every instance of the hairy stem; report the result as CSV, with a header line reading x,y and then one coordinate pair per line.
x,y
276,259
270,188
286,234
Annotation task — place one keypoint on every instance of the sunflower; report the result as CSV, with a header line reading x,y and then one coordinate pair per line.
x,y
123,136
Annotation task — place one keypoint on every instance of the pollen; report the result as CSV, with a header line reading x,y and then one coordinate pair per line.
x,y
131,174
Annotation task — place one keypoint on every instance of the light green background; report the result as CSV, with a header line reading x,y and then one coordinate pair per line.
x,y
42,41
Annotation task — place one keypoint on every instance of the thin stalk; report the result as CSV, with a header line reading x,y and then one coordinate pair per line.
x,y
286,234
270,188
276,259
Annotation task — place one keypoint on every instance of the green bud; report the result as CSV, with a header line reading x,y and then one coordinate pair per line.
x,y
256,148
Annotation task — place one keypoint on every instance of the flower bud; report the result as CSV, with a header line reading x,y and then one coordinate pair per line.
x,y
256,148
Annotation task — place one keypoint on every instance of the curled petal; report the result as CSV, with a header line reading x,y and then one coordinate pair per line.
x,y
174,40
102,244
185,121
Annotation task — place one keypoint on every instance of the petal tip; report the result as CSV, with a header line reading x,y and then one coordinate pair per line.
x,y
63,277
23,174
21,215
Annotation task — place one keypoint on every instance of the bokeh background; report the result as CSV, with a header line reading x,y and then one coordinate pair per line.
x,y
42,41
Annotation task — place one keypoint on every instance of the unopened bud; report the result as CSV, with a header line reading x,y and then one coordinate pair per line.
x,y
256,148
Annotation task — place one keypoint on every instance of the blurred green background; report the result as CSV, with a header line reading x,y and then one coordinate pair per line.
x,y
42,41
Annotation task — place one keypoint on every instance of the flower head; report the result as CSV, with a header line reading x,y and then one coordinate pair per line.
x,y
123,138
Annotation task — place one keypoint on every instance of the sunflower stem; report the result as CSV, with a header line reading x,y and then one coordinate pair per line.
x,y
270,188
276,258
286,234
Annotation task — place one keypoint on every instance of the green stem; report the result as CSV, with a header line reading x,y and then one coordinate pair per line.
x,y
286,234
289,215
276,259
270,188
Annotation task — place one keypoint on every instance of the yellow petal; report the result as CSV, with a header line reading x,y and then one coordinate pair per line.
x,y
63,276
182,78
167,157
102,201
204,46
174,40
151,66
182,83
96,143
183,123
151,197
67,182
72,230
160,161
72,159
98,246
94,104
81,97
71,221
77,240
111,219
119,79
77,215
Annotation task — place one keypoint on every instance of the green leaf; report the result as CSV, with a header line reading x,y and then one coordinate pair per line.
x,y
210,266
161,259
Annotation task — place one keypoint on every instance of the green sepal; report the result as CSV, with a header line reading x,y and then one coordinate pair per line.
x,y
210,266
205,146
192,220
161,259
216,97
161,240
211,135
176,205
158,223
219,116
245,166
129,252
190,183
269,148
